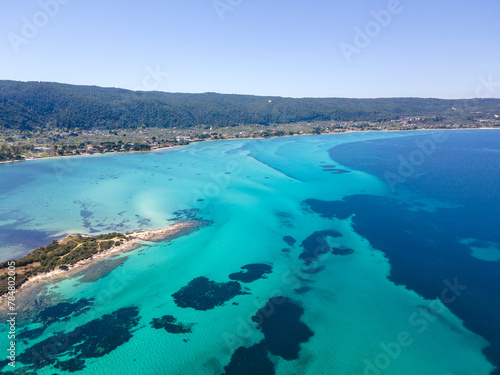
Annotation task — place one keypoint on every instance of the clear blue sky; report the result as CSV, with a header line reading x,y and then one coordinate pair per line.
x,y
292,48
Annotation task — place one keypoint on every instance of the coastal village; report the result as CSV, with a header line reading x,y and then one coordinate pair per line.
x,y
53,143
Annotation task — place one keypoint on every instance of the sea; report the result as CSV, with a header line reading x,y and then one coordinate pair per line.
x,y
360,253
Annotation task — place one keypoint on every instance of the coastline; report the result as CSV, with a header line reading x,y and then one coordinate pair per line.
x,y
160,149
132,242
95,154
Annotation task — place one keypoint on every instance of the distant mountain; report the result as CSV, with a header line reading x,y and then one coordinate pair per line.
x,y
37,105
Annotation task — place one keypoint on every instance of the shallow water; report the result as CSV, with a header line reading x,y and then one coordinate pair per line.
x,y
372,304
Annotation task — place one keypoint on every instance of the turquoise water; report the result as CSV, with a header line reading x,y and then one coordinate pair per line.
x,y
363,319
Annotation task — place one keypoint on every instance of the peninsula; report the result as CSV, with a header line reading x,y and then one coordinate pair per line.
x,y
76,250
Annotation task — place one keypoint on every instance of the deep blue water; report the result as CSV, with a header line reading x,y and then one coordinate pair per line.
x,y
425,248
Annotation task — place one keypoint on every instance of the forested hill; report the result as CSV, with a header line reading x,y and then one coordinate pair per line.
x,y
37,105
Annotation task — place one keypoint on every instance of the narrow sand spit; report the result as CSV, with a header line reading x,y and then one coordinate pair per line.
x,y
131,242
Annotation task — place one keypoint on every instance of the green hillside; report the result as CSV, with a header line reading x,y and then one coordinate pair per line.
x,y
42,105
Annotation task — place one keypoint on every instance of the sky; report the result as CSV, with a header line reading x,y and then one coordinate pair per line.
x,y
306,48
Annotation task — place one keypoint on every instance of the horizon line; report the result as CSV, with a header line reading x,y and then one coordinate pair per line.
x,y
261,95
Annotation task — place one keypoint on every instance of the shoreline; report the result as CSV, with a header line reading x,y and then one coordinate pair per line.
x,y
132,242
160,149
95,154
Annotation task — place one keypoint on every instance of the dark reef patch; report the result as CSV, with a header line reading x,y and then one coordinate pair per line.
x,y
252,272
316,244
91,340
71,365
250,361
4,363
314,270
334,209
31,334
170,324
86,214
304,280
192,214
285,218
204,294
333,169
286,252
341,251
302,290
290,241
283,331
57,313
186,215
340,171
63,309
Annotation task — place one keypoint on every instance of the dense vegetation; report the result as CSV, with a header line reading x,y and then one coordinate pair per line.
x,y
13,152
58,254
41,105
